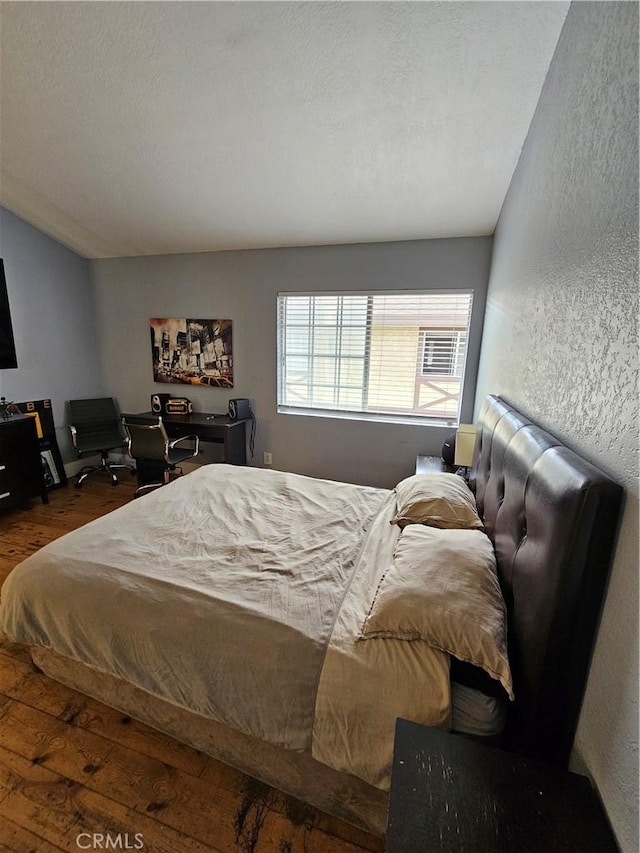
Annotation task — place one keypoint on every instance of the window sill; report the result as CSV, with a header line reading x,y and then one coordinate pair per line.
x,y
404,420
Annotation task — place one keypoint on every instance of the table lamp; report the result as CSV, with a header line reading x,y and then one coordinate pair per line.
x,y
465,445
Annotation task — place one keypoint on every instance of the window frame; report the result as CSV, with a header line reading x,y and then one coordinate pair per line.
x,y
406,417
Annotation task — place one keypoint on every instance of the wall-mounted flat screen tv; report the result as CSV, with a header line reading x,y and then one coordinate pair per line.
x,y
7,345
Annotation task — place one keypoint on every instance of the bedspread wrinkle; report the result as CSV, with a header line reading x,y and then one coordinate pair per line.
x,y
218,592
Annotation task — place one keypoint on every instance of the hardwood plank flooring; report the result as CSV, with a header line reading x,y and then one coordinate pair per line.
x,y
71,765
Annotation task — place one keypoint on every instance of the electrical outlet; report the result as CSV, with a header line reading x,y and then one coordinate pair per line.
x,y
267,459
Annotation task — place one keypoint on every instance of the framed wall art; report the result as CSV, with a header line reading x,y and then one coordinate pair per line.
x,y
192,352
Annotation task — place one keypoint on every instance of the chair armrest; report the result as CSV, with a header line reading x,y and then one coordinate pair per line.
x,y
74,436
193,438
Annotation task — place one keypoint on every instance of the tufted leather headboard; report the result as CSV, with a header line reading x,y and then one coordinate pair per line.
x,y
552,517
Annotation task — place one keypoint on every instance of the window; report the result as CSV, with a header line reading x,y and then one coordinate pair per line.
x,y
375,354
441,352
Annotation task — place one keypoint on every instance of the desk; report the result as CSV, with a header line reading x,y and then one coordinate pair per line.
x,y
218,429
449,793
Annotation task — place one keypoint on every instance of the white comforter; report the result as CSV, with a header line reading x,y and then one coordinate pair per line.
x,y
238,593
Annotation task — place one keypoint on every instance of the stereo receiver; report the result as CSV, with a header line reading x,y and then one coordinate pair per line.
x,y
178,406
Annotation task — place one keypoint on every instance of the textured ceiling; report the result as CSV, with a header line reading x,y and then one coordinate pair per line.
x,y
146,128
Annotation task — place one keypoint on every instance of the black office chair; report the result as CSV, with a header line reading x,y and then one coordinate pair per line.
x,y
157,458
95,428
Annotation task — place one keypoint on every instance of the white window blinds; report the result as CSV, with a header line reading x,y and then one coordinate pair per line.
x,y
384,354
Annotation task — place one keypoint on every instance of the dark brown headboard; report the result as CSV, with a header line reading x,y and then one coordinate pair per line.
x,y
552,517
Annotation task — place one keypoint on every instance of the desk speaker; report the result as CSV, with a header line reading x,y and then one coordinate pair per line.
x,y
159,403
240,409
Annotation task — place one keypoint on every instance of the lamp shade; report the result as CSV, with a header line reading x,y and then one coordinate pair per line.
x,y
465,445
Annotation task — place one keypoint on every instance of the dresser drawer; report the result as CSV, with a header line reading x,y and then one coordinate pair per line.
x,y
5,484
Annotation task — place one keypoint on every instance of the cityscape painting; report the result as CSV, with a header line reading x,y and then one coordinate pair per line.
x,y
192,352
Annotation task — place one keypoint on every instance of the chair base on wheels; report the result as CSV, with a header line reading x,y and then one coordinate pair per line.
x,y
106,466
157,458
168,475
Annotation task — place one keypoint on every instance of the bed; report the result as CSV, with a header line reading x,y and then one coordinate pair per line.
x,y
269,619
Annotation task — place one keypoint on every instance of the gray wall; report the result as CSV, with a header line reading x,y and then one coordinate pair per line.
x,y
561,334
243,286
53,322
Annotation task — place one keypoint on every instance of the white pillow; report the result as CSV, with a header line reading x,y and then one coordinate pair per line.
x,y
438,500
442,588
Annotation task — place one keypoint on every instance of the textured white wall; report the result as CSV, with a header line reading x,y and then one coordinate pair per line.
x,y
560,338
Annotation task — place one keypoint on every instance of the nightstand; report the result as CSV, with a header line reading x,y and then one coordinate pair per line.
x,y
450,793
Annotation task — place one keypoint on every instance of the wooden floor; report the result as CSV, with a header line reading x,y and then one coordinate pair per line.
x,y
71,766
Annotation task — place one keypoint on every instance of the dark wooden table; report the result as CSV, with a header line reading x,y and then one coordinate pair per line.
x,y
218,429
449,793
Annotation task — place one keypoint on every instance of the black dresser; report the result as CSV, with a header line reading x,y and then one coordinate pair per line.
x,y
21,475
